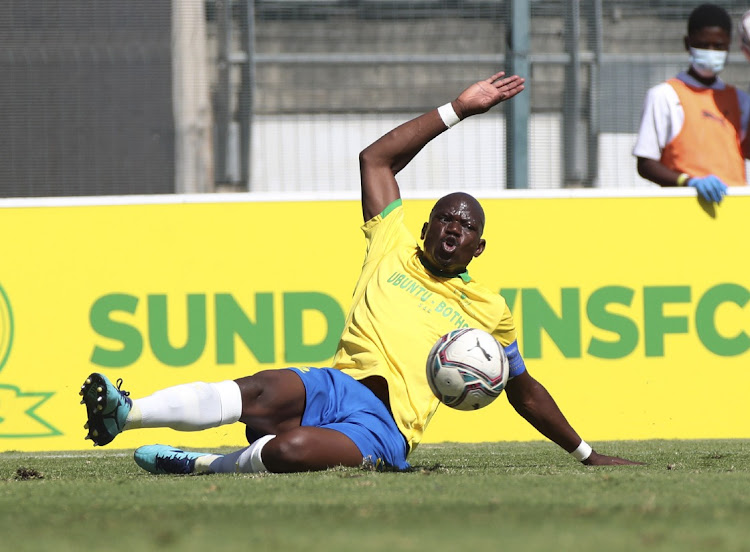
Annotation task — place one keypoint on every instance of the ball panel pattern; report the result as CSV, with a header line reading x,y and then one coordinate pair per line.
x,y
467,369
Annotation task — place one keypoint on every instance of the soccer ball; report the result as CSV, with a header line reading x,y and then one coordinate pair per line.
x,y
467,369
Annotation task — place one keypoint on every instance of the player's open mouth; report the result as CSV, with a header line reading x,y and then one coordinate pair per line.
x,y
449,245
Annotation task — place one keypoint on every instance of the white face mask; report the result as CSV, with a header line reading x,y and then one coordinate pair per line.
x,y
707,63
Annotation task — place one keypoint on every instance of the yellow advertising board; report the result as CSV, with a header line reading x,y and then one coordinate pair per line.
x,y
633,311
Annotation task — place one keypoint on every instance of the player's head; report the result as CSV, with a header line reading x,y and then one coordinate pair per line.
x,y
453,234
709,15
709,32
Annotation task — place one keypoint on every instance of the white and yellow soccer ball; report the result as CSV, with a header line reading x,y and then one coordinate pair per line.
x,y
467,369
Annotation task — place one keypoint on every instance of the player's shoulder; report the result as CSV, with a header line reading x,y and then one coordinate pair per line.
x,y
661,102
385,222
661,98
387,230
394,211
663,91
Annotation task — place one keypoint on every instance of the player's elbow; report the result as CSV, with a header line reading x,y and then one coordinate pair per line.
x,y
641,167
519,399
368,157
525,394
523,404
373,163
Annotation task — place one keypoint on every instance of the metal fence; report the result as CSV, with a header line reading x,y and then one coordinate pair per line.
x,y
155,96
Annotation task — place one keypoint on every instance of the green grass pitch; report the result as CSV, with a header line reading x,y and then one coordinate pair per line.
x,y
691,495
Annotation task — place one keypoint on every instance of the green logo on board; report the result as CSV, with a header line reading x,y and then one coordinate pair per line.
x,y
18,416
6,327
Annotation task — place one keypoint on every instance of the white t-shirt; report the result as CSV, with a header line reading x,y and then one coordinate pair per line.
x,y
663,116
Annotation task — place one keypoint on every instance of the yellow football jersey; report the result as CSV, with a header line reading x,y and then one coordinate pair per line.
x,y
399,310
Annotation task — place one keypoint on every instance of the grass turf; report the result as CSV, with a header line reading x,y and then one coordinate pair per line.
x,y
691,495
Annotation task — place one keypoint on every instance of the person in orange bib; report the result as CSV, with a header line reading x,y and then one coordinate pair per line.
x,y
693,129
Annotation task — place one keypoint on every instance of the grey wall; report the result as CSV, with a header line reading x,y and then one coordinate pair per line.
x,y
85,97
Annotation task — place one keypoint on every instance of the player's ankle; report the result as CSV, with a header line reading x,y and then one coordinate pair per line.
x,y
203,463
134,418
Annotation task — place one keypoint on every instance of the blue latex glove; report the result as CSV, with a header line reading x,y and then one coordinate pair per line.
x,y
710,187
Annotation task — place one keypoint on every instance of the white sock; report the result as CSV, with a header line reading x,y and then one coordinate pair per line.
x,y
247,460
203,463
188,407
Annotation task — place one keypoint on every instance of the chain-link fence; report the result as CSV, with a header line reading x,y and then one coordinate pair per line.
x,y
155,96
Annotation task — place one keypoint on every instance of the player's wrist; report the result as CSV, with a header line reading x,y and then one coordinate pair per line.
x,y
583,451
448,115
683,179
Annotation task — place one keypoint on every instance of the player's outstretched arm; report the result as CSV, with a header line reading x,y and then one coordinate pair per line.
x,y
381,161
534,403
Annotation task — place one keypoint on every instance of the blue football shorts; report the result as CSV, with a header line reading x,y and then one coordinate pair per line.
x,y
337,401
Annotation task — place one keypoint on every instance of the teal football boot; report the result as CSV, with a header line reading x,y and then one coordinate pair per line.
x,y
165,459
107,408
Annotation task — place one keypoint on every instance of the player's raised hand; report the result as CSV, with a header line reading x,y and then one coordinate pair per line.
x,y
487,93
597,459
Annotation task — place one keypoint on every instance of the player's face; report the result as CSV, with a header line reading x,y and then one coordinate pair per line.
x,y
453,235
708,38
708,49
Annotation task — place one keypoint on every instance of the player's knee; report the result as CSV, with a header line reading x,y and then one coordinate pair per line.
x,y
273,401
256,391
292,451
250,387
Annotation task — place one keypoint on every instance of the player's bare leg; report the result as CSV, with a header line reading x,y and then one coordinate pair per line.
x,y
299,450
273,403
310,449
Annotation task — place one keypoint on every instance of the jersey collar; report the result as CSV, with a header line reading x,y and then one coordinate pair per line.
x,y
439,273
688,79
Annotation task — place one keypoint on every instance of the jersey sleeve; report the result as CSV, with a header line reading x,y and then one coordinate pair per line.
x,y
385,231
507,336
515,361
505,331
661,121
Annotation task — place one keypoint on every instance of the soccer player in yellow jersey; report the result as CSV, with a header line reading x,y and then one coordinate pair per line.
x,y
374,404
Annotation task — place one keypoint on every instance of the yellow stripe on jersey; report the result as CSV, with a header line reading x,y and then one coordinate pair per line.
x,y
399,310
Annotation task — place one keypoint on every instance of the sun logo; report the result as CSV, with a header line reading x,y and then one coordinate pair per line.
x,y
6,327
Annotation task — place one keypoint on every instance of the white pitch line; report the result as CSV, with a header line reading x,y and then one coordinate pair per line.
x,y
40,454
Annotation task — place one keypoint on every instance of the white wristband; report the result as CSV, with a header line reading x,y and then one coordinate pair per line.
x,y
448,115
583,451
